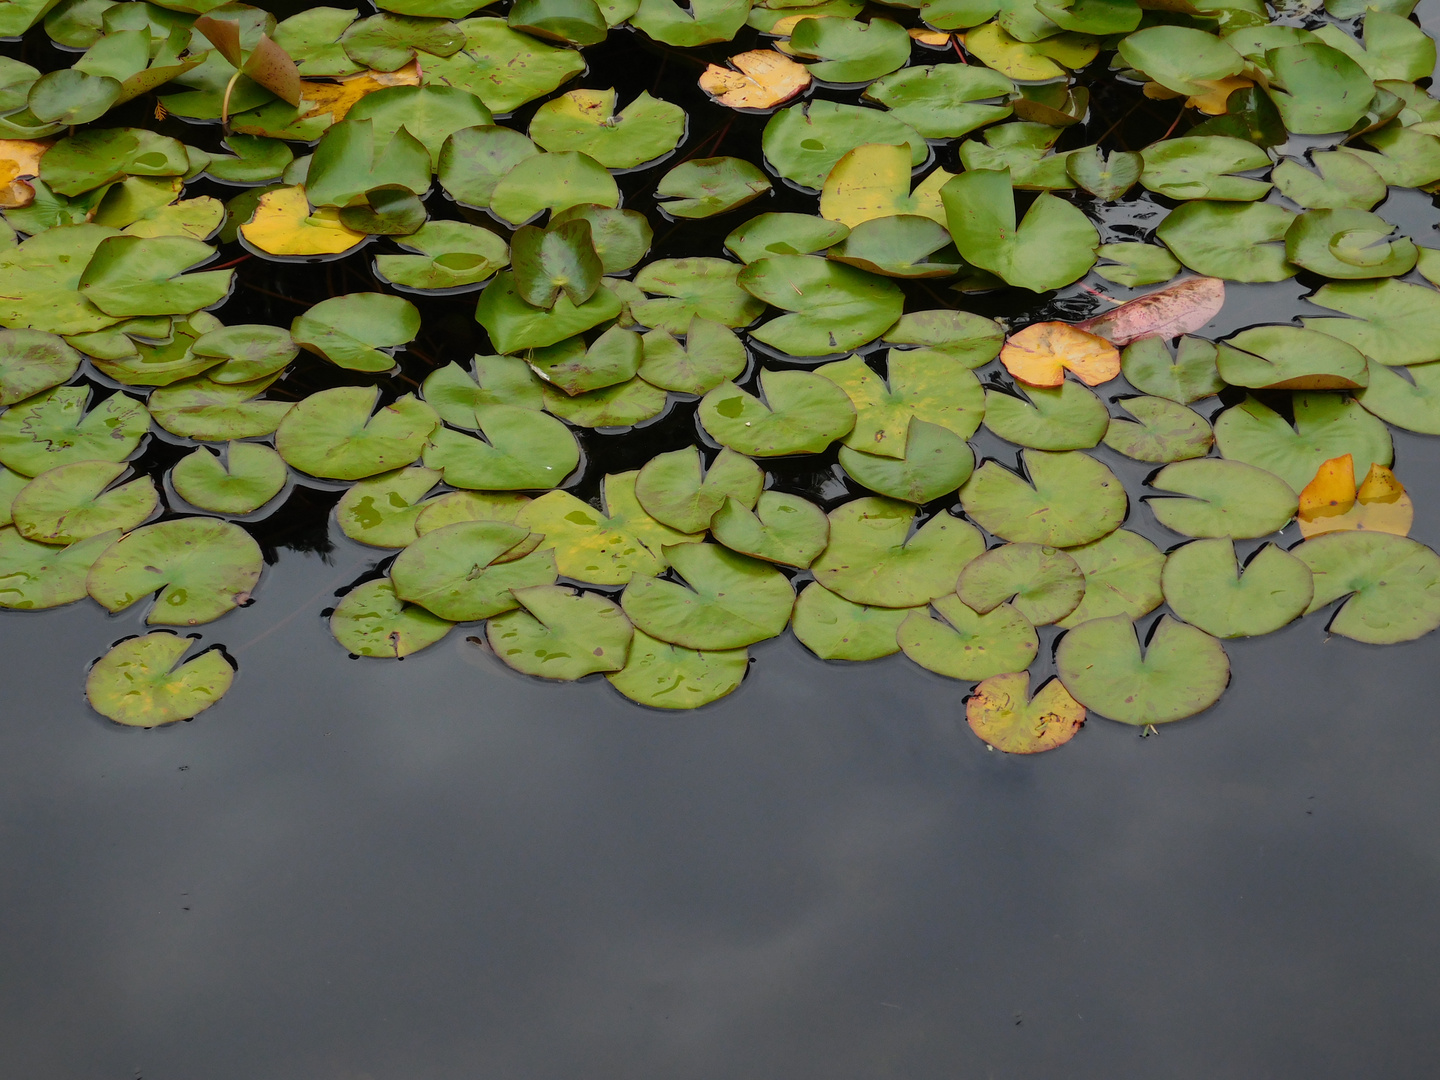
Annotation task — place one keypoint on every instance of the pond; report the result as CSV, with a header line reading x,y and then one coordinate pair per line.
x,y
486,858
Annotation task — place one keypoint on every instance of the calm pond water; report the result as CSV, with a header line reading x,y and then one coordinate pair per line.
x,y
437,869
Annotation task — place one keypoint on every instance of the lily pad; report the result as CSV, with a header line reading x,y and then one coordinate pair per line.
x,y
1135,264
1235,241
1189,375
804,142
475,159
936,463
1392,322
1065,417
1224,499
784,234
334,434
1206,587
687,288
586,121
1069,499
964,644
1183,671
34,576
514,325
1392,585
801,413
1409,400
1044,584
944,101
570,366
1326,426
700,22
383,510
1348,244
672,490
874,559
452,255
138,683
1005,716
1289,358
728,600
75,502
371,620
561,634
556,259
704,187
458,395
521,450
784,529
249,477
1203,167
834,628
833,307
1180,58
32,362
283,224
352,330
971,339
620,237
1105,177
249,352
578,22
135,275
352,159
665,676
1317,89
622,405
1345,181
200,567
712,354
505,68
54,428
465,572
456,506
201,408
1122,577
553,182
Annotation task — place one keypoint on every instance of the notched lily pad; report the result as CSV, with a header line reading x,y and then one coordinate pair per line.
x,y
1005,716
561,634
371,620
140,682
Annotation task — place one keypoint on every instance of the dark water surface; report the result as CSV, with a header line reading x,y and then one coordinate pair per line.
x,y
441,870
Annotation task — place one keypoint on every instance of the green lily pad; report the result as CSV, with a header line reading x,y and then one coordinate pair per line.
x,y
899,246
620,237
250,351
40,281
138,684
570,366
1317,89
623,405
334,434
728,600
833,307
201,408
503,67
704,187
1135,264
54,428
602,547
1183,672
387,42
34,576
712,354
71,96
1122,577
1052,246
460,396
474,160
10,485
452,255
1408,399
1392,322
1345,181
1189,375
561,634
578,22
784,234
936,463
351,159
700,22
149,363
312,39
522,449
456,506
849,51
1043,584
1106,178
135,275
1065,417
1235,241
690,287
75,502
665,676
1348,244
971,339
586,121
964,644
784,529
553,182
249,477
514,325
1392,584
549,261
1180,58
352,330
833,628
462,572
943,101
1069,499
803,142
32,362
1289,358
1206,587
201,568
371,620
1202,167
1162,430
1402,156
1326,426
924,384
672,490
1224,499
873,558
800,413
383,510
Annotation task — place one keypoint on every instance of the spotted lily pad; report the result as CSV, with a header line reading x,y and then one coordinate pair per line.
x,y
138,683
704,187
801,413
1206,587
729,600
459,396
834,628
784,529
873,558
964,644
1326,426
1162,430
54,429
204,409
200,567
1043,583
1070,499
687,288
665,676
923,384
34,576
32,362
561,634
334,434
833,307
352,330
1005,716
382,511
371,620
75,502
672,490
466,571
1391,584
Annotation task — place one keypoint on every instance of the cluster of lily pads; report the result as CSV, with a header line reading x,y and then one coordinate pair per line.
x,y
802,337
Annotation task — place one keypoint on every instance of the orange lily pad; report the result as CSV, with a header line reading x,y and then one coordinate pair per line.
x,y
762,79
1332,503
1040,355
1004,715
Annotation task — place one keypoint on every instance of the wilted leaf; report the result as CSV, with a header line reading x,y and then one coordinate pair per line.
x,y
1002,713
1040,355
762,79
1166,313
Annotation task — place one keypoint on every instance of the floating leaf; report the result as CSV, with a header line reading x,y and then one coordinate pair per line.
x,y
690,287
923,384
283,224
474,160
1224,498
1392,322
1289,358
712,354
964,644
522,449
1326,426
383,510
1074,499
1039,61
1162,430
1203,167
1205,587
457,506
622,405
467,571
334,434
75,502
729,600
1332,503
665,676
704,187
620,237
784,529
613,358
1235,241
833,628
54,428
762,79
1184,670
586,121
201,408
386,42
801,413
700,22
1317,89
671,489
1180,58
505,68
1166,313
514,325
71,96
352,159
200,567
874,559
1345,181
1106,178
944,101
1392,584
1064,417
553,182
1189,375
138,684
34,576
972,340
833,308
371,620
784,234
453,255
578,22
1122,577
351,330
1043,584
459,396
1348,244
249,477
804,142
249,352
560,258
873,181
32,362
1135,264
1410,400
1002,713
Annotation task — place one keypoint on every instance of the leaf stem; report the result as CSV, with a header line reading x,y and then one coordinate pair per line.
x,y
225,103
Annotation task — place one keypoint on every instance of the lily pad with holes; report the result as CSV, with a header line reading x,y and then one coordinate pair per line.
x,y
936,463
334,434
873,558
371,620
1326,426
249,477
1162,430
54,428
1189,375
687,288
1222,499
466,571
728,600
1392,584
32,362
459,396
963,644
561,634
711,354
1069,499
833,308
1235,241
1065,417
1183,670
200,567
784,529
352,330
1044,584
1205,586
75,502
665,676
1122,577
382,511
201,408
834,628
802,413
1392,322
671,488
140,682
1005,716
521,450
